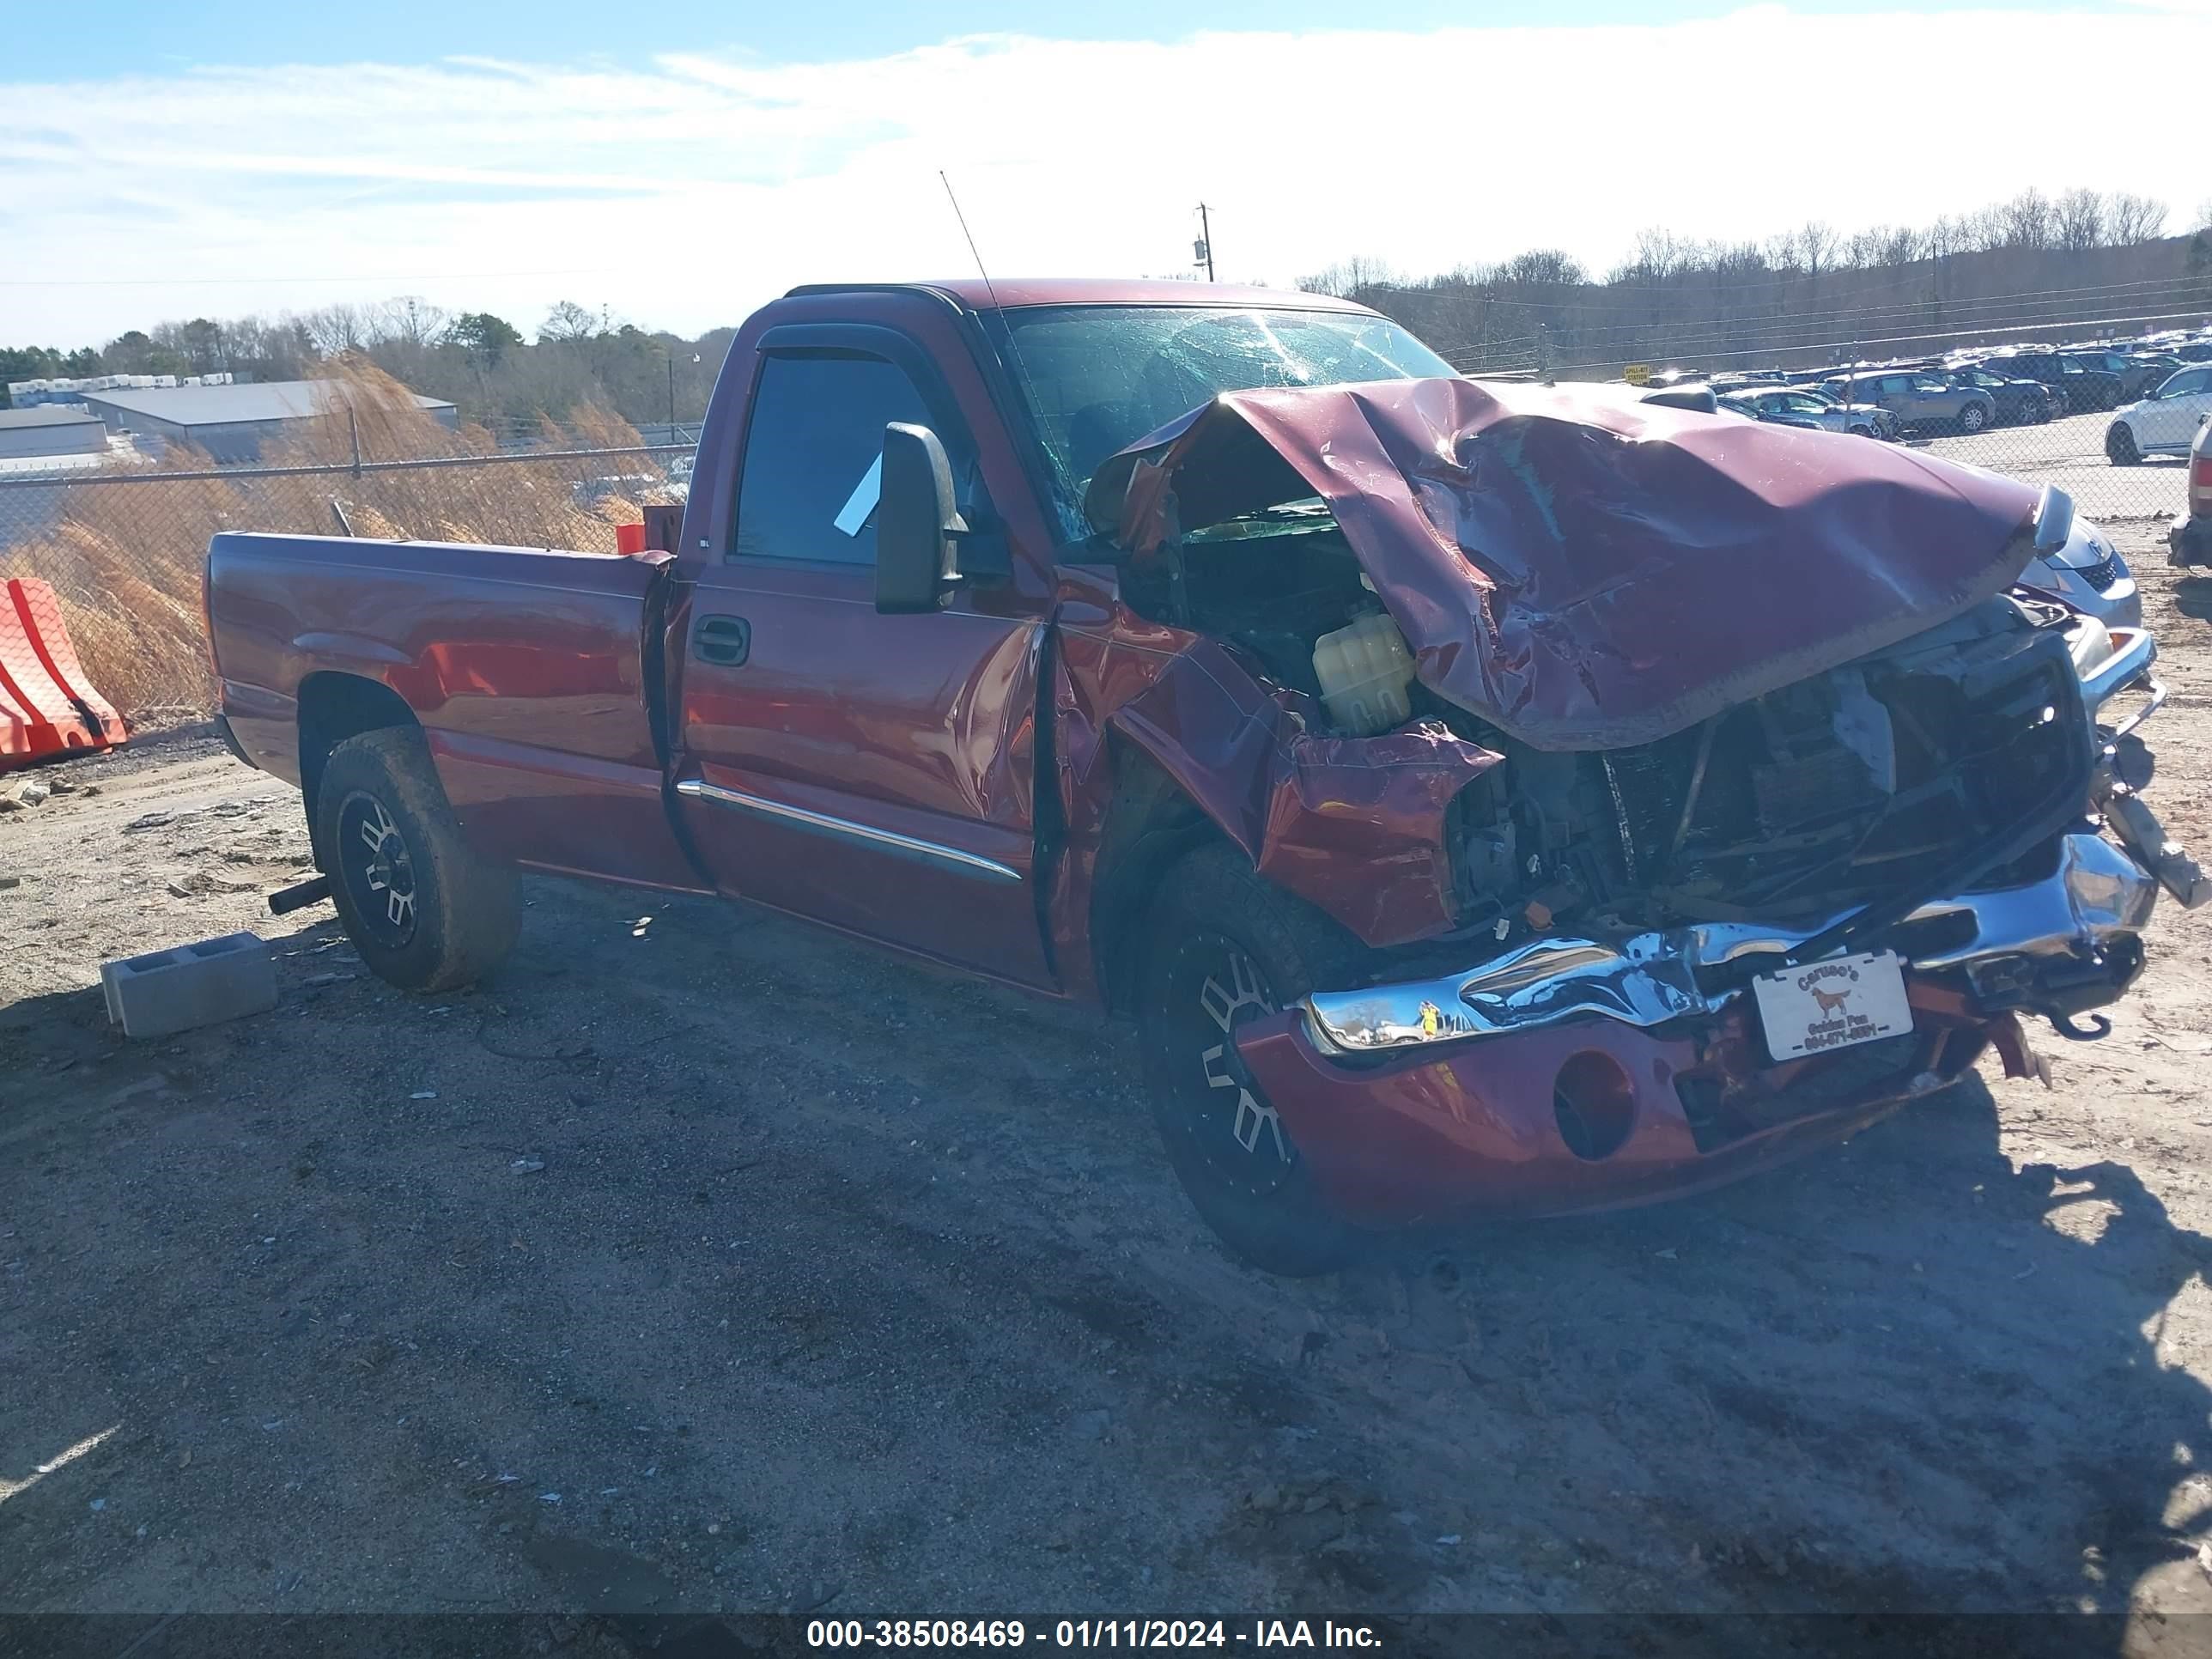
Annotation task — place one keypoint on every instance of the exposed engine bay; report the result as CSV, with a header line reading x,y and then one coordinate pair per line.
x,y
1941,759
1711,782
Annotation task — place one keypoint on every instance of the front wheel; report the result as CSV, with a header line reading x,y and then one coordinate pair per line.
x,y
1228,947
426,910
2120,449
1972,418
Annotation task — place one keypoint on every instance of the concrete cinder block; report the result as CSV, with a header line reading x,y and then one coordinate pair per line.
x,y
193,985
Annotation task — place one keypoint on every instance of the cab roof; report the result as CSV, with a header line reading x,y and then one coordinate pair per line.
x,y
1013,293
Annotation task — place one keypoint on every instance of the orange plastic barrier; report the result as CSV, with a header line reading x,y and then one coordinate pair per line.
x,y
47,707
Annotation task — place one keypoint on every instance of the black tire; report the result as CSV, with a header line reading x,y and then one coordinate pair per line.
x,y
425,910
1226,945
1863,432
2120,446
1973,418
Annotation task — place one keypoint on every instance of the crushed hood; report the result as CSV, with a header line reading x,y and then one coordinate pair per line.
x,y
1582,572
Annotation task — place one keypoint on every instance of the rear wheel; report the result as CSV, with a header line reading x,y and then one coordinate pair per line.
x,y
425,910
2120,446
1227,947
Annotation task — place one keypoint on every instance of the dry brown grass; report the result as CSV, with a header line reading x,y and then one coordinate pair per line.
x,y
126,558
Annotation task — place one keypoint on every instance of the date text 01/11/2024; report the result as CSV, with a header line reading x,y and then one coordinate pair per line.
x,y
823,1633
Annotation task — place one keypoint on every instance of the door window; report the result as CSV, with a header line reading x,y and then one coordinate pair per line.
x,y
814,444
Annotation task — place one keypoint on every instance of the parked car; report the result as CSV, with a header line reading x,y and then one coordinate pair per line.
x,y
1732,404
2083,388
2190,537
1795,408
2086,572
1920,400
2089,574
2164,423
2137,371
1112,640
2017,400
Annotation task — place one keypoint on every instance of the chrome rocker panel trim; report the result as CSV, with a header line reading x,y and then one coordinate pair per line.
x,y
951,859
2097,893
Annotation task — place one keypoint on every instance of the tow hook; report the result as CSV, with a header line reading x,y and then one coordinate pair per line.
x,y
2098,1026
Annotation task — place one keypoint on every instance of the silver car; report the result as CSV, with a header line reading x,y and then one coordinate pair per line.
x,y
2089,574
1792,405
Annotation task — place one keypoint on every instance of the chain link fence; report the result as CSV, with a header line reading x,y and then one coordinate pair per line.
x,y
123,545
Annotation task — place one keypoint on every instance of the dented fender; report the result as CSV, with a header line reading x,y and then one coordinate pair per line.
x,y
1355,826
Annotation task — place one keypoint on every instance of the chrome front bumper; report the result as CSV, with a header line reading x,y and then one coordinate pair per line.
x,y
2097,895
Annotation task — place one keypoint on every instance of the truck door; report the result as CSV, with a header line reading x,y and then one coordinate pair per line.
x,y
876,772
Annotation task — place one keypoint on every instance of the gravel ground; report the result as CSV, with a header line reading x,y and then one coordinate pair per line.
x,y
701,1263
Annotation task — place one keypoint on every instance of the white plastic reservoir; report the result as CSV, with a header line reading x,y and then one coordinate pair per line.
x,y
1365,673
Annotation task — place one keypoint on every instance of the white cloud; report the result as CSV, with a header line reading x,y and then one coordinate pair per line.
x,y
682,194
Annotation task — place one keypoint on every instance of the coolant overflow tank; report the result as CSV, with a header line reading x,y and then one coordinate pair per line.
x,y
1365,673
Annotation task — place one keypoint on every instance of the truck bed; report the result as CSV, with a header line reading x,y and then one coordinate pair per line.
x,y
528,670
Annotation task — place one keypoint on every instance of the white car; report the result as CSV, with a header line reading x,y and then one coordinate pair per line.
x,y
2165,422
2089,574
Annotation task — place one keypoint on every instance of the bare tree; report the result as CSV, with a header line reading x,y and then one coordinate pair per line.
x,y
1985,230
1881,246
567,321
2129,218
337,328
2204,216
408,320
1812,247
1349,277
2027,220
1542,267
2078,220
1659,256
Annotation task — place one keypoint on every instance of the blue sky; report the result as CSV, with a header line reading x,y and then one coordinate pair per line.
x,y
69,42
678,163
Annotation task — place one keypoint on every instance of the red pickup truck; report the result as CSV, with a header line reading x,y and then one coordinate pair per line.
x,y
1484,798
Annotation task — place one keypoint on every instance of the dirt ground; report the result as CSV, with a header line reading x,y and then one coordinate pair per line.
x,y
701,1263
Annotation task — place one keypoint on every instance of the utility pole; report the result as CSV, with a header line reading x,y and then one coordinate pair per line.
x,y
1205,248
672,396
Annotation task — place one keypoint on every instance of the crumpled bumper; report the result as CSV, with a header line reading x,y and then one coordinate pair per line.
x,y
1582,1073
2097,897
1590,1073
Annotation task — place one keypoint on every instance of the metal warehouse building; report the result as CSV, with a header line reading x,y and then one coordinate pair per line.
x,y
50,429
230,422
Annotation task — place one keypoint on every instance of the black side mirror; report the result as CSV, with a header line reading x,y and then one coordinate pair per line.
x,y
917,520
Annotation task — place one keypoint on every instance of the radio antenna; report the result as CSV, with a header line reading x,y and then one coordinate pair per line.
x,y
1005,328
970,235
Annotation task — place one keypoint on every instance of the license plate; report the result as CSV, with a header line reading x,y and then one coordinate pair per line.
x,y
1832,1005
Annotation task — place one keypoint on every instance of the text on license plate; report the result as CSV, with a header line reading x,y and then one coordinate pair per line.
x,y
1832,1005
